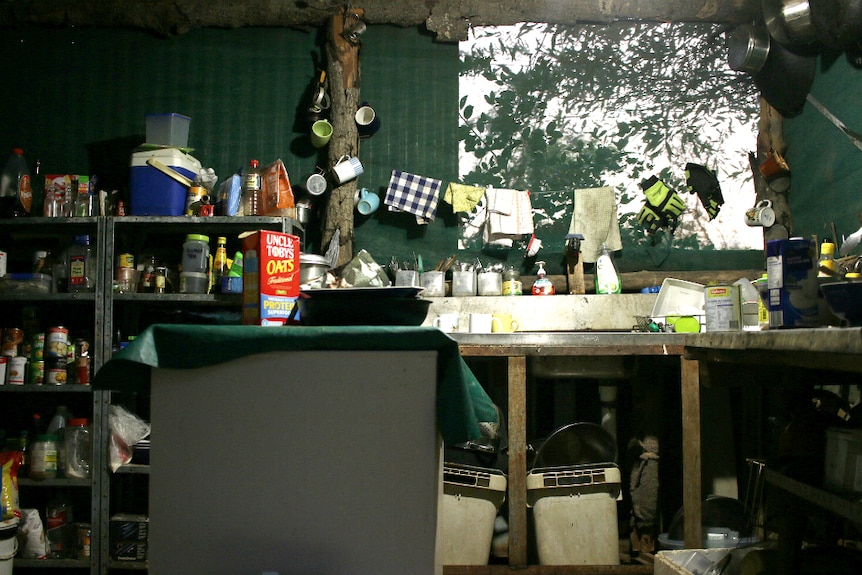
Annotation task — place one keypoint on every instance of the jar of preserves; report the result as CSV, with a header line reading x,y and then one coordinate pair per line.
x,y
512,282
43,457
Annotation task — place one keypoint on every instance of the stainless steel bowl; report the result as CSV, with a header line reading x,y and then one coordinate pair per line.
x,y
311,267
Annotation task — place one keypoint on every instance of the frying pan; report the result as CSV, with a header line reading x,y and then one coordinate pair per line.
x,y
577,444
785,79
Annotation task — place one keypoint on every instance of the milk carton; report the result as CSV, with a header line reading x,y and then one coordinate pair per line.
x,y
792,283
270,282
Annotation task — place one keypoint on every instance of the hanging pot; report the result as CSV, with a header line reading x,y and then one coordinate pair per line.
x,y
785,79
747,48
789,23
837,23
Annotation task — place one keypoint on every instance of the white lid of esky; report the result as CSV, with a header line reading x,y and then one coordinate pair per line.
x,y
173,157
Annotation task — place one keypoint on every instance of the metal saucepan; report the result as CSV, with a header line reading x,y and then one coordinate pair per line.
x,y
785,79
789,23
748,48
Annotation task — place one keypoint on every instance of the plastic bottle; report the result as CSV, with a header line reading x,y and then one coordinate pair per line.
x,y
250,204
542,285
56,427
220,269
827,261
58,521
78,448
16,193
37,187
607,277
82,268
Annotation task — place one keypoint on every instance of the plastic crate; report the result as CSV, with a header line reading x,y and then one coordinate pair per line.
x,y
575,514
471,498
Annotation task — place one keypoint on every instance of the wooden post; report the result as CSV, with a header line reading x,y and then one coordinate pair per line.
x,y
343,73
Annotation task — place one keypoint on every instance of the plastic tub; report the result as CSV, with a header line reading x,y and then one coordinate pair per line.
x,y
471,498
168,130
8,544
575,512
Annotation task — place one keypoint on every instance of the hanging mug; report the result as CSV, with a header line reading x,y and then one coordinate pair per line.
x,y
367,120
347,168
366,201
761,214
321,133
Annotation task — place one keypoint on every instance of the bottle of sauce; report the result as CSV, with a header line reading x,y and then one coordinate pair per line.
x,y
82,266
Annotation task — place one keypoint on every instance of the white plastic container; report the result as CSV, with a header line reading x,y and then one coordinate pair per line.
x,y
8,544
575,514
843,468
196,251
471,498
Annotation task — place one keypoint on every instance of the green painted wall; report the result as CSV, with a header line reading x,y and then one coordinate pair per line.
x,y
826,167
77,98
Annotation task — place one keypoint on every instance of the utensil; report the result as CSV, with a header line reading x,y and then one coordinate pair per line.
x,y
748,48
789,22
855,137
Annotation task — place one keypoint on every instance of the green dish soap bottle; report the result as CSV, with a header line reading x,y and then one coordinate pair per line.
x,y
607,277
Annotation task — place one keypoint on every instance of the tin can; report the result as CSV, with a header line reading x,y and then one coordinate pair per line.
x,y
36,375
56,341
15,368
55,370
126,261
13,337
722,308
37,347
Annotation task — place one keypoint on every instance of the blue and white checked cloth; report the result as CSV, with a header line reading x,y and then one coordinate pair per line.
x,y
417,195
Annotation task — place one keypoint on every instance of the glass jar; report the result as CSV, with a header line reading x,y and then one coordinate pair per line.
x,y
512,282
43,457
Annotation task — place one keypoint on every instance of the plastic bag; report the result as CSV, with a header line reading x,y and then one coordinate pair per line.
x,y
10,462
31,536
127,429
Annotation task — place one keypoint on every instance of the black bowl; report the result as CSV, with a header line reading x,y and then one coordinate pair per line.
x,y
845,300
361,309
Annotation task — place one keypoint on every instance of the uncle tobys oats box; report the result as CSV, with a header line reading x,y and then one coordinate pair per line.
x,y
270,282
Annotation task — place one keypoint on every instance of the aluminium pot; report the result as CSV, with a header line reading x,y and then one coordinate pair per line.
x,y
789,22
748,48
311,267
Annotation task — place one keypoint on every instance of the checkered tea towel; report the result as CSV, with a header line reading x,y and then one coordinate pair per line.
x,y
417,195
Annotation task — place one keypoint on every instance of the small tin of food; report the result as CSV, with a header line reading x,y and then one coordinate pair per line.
x,y
15,369
55,376
13,337
36,375
37,347
57,341
722,308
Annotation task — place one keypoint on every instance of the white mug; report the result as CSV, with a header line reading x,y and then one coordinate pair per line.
x,y
761,214
446,322
480,322
347,168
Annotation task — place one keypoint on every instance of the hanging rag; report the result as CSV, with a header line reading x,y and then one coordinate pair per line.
x,y
510,216
463,197
414,194
595,217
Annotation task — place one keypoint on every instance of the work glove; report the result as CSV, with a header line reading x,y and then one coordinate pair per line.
x,y
702,181
650,219
662,208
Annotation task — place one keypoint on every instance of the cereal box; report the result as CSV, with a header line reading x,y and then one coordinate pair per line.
x,y
270,277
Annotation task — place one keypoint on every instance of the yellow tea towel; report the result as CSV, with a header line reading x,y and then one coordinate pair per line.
x,y
595,217
463,197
